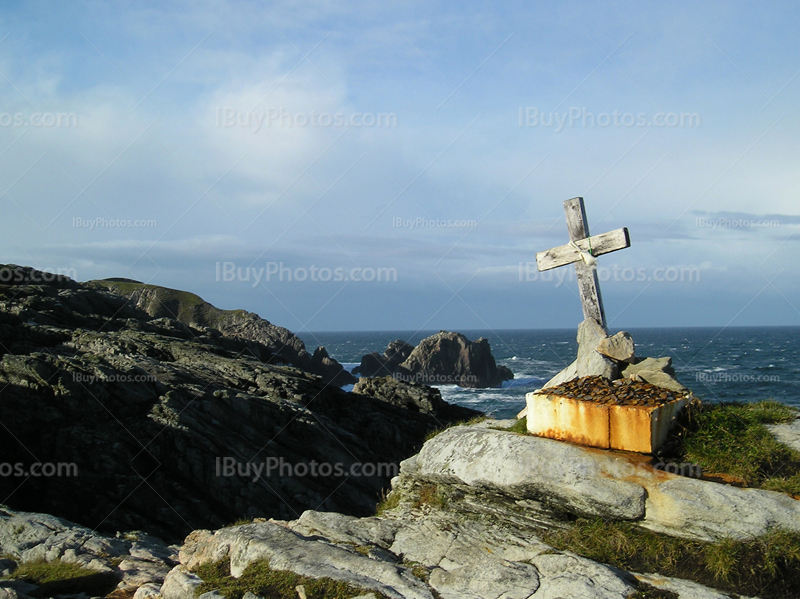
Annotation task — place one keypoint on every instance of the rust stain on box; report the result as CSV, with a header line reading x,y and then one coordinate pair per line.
x,y
567,419
627,427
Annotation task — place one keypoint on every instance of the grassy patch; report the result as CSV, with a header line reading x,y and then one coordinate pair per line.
x,y
469,422
387,502
239,522
432,495
418,570
520,427
768,566
262,580
55,578
191,308
731,438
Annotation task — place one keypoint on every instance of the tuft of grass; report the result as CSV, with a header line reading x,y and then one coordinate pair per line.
x,y
239,522
520,427
61,578
470,422
418,570
731,438
262,580
768,566
387,502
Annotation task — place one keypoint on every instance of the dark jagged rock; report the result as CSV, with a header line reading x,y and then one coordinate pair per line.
x,y
268,342
447,358
148,409
441,359
414,397
386,364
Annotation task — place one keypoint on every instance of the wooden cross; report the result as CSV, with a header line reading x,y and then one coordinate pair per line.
x,y
575,253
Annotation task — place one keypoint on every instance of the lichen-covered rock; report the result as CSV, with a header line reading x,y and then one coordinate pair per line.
x,y
558,473
307,556
135,561
584,481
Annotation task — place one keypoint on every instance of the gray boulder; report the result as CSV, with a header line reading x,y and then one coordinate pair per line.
x,y
560,474
307,556
583,481
484,554
180,583
619,347
656,371
590,362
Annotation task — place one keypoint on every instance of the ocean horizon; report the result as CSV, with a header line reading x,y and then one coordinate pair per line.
x,y
743,363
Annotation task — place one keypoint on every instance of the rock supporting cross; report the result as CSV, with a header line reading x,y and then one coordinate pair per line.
x,y
582,251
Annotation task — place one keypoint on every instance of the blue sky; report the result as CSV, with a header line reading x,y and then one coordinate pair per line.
x,y
409,140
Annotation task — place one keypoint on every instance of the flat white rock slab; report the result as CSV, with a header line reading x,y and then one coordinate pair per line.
x,y
787,433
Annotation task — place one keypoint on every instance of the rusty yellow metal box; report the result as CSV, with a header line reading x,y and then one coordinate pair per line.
x,y
637,428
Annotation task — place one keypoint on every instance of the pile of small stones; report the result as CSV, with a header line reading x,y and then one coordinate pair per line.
x,y
622,392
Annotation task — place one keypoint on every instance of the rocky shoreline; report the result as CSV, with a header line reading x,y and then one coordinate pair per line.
x,y
177,429
461,522
150,412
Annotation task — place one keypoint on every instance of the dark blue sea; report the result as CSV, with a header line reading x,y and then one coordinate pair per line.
x,y
718,364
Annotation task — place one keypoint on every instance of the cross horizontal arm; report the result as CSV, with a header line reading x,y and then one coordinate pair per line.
x,y
598,244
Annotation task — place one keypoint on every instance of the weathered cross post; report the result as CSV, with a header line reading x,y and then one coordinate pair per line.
x,y
581,251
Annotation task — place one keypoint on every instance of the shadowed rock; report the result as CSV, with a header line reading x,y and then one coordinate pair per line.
x,y
148,410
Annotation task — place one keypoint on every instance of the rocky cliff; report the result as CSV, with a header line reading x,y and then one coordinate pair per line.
x,y
167,427
266,341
